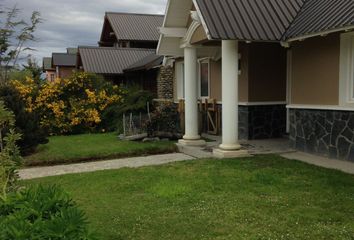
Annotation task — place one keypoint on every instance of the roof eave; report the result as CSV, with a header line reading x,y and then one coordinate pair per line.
x,y
322,33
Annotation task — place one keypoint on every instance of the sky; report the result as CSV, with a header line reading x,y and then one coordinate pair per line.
x,y
70,23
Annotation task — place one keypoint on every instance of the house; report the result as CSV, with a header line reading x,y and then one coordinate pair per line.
x,y
60,65
127,50
64,64
48,69
274,68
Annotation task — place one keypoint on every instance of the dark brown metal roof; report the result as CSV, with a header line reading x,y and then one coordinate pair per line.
x,y
321,15
263,20
139,27
64,59
274,20
107,60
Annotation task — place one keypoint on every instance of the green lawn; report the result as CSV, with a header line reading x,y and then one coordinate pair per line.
x,y
265,197
78,148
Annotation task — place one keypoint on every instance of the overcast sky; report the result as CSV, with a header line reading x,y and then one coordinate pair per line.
x,y
69,23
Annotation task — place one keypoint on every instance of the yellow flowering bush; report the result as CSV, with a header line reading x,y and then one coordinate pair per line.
x,y
70,105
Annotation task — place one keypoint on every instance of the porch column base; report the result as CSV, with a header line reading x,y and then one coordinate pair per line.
x,y
220,153
230,147
192,143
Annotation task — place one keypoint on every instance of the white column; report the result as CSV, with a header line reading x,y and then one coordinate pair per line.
x,y
230,96
191,94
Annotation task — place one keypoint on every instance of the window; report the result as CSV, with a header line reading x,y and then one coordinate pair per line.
x,y
180,80
346,85
52,77
204,78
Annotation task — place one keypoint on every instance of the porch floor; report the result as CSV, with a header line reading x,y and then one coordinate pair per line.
x,y
269,146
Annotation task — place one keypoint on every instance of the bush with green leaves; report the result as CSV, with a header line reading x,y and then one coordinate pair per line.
x,y
26,123
42,213
10,157
164,121
135,101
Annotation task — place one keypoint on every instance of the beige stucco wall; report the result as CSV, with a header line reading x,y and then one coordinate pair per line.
x,y
263,74
215,76
315,71
267,72
243,88
215,80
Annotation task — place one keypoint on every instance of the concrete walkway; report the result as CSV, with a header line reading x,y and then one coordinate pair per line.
x,y
40,172
191,154
343,166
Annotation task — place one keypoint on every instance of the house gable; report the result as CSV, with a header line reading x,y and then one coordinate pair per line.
x,y
108,37
130,30
177,19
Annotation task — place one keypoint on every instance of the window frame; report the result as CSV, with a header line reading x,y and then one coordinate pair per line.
x,y
200,62
180,80
346,78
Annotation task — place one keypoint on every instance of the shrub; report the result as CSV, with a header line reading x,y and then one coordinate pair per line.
x,y
45,213
134,101
26,123
10,158
165,119
10,161
73,105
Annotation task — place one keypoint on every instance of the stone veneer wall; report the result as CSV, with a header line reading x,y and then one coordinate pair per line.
x,y
262,122
165,83
324,132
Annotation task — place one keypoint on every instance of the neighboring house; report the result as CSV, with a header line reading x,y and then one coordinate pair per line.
x,y
48,69
126,51
60,65
64,64
274,67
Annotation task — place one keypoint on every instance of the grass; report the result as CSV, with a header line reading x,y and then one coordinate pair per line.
x,y
79,148
265,197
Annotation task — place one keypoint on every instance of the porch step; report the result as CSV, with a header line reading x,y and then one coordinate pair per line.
x,y
197,152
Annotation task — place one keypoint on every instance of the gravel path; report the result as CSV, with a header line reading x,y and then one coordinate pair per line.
x,y
39,172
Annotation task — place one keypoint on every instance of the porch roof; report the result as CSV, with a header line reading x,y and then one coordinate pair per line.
x,y
264,20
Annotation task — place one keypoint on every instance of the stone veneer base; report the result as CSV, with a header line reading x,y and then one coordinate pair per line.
x,y
327,133
262,122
